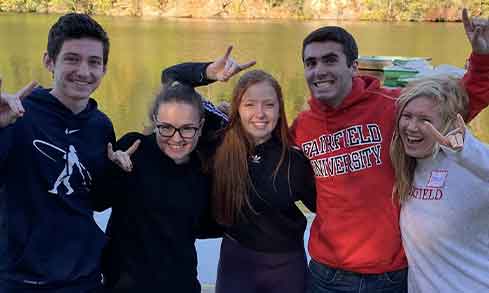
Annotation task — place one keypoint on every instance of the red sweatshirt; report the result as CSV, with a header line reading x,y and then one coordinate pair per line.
x,y
357,222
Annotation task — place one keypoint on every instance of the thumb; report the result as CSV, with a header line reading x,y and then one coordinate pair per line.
x,y
247,65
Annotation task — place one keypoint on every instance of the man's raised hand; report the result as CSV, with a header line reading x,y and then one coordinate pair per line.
x,y
123,158
477,31
225,67
11,105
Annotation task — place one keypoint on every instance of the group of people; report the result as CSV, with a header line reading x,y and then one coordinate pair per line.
x,y
398,183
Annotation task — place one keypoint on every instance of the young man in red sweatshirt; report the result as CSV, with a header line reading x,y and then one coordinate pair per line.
x,y
355,241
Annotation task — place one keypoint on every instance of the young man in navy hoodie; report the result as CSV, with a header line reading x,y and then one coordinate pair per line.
x,y
52,154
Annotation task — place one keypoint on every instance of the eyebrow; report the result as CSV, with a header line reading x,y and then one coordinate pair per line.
x,y
417,114
326,56
183,125
264,99
72,54
330,55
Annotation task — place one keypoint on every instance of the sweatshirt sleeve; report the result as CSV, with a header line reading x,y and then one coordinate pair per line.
x,y
476,82
6,137
190,73
474,157
303,180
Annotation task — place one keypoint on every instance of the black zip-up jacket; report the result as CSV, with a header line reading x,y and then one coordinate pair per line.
x,y
276,224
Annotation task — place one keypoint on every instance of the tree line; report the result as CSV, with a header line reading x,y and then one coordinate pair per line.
x,y
383,10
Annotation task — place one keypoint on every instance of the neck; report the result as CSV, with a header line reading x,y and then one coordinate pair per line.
x,y
182,160
75,105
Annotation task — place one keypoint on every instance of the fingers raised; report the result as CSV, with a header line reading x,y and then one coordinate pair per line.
x,y
466,20
460,121
247,65
228,52
134,147
25,91
430,130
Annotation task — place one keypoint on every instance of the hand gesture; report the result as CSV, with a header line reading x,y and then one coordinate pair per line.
x,y
453,140
225,67
477,31
11,105
121,158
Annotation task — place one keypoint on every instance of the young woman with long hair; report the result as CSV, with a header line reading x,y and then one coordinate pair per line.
x,y
442,182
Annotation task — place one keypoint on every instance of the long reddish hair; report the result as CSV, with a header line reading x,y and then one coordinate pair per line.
x,y
231,180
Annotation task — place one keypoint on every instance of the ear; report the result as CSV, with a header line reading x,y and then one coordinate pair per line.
x,y
354,67
48,62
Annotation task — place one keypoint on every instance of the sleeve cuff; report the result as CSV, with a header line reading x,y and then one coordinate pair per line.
x,y
479,62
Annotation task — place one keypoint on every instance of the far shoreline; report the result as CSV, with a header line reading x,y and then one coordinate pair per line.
x,y
152,14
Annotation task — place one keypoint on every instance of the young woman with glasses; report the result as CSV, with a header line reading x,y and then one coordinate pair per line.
x,y
159,199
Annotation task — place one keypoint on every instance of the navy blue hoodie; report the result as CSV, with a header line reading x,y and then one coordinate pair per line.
x,y
50,160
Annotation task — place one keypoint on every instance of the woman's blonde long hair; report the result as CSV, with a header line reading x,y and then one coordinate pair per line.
x,y
450,97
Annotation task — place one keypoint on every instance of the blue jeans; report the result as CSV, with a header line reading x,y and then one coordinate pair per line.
x,y
324,279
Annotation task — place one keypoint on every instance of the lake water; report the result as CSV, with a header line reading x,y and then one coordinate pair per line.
x,y
141,48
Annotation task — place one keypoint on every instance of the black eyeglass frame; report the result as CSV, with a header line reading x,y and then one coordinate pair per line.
x,y
159,125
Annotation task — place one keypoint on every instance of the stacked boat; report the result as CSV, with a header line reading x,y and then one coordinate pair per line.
x,y
397,71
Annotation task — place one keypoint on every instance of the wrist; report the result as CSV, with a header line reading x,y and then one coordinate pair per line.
x,y
207,73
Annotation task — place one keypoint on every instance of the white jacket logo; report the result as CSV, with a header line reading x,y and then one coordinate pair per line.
x,y
367,136
71,161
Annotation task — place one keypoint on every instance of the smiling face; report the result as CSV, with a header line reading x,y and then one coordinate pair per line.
x,y
181,116
259,111
77,70
326,71
416,143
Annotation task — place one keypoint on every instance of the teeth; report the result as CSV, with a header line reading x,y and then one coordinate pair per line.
x,y
176,147
81,82
324,83
414,139
259,124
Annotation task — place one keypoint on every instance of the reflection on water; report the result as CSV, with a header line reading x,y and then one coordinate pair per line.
x,y
140,48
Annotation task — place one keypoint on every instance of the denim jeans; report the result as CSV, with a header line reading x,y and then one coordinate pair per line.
x,y
324,279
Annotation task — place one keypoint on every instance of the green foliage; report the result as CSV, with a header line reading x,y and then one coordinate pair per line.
x,y
23,5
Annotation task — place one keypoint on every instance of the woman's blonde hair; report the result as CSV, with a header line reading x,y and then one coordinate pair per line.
x,y
450,99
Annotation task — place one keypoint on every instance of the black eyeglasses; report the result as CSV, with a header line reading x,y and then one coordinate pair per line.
x,y
168,130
